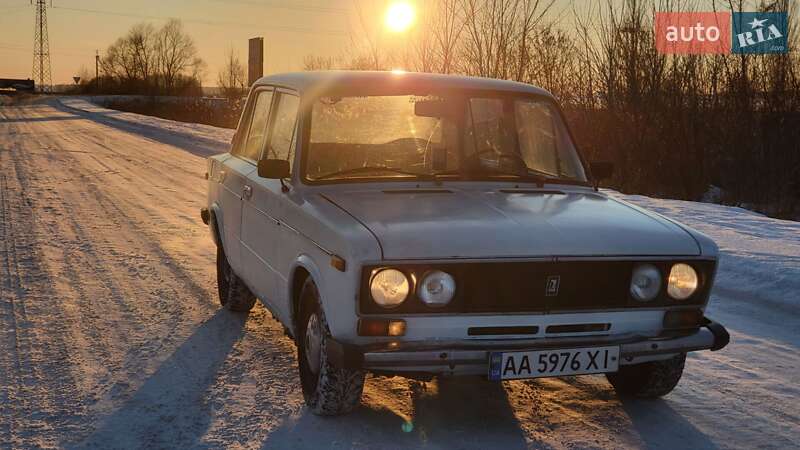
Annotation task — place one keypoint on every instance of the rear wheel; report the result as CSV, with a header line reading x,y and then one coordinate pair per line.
x,y
233,294
648,380
327,390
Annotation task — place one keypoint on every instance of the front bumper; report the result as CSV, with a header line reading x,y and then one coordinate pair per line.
x,y
472,357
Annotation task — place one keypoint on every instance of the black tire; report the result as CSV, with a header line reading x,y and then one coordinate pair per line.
x,y
233,293
328,391
648,380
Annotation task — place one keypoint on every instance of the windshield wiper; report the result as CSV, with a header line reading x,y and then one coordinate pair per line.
x,y
523,175
357,170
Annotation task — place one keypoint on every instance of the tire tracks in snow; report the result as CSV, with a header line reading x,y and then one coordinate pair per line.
x,y
90,266
241,375
39,382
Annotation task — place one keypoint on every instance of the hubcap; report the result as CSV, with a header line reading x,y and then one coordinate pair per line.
x,y
313,341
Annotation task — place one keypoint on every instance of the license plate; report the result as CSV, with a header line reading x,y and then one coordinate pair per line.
x,y
553,363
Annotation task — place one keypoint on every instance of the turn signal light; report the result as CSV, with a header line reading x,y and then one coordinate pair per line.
x,y
338,263
373,327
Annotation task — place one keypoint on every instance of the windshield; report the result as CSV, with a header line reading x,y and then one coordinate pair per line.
x,y
406,136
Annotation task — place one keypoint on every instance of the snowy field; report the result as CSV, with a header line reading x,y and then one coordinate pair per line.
x,y
111,335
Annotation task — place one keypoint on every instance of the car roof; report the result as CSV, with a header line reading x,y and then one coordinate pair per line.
x,y
374,82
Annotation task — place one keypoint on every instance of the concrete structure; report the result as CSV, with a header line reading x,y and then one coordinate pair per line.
x,y
255,60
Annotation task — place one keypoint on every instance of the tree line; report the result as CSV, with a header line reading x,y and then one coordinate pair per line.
x,y
160,61
674,125
151,61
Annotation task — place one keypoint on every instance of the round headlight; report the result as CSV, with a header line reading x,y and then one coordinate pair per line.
x,y
389,288
645,283
436,288
683,281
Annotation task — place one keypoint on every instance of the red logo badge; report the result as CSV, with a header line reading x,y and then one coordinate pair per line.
x,y
693,33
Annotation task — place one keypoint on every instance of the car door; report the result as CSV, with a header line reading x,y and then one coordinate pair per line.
x,y
233,176
264,225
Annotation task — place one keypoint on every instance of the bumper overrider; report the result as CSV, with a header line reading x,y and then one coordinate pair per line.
x,y
471,357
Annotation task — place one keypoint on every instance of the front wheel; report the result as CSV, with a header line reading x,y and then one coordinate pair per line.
x,y
648,380
233,293
327,390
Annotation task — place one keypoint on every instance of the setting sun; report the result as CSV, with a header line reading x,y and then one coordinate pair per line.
x,y
399,16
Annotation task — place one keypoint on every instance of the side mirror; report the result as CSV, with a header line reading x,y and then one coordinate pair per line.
x,y
276,169
602,170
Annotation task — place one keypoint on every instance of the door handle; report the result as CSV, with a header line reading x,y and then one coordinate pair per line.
x,y
247,191
221,176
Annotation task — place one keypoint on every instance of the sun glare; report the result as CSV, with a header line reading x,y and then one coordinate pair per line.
x,y
399,16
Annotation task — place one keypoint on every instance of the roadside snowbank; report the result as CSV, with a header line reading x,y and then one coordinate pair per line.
x,y
760,256
222,136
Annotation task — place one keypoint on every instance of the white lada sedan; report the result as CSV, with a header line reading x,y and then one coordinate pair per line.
x,y
420,225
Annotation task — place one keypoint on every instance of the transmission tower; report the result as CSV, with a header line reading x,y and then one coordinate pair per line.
x,y
41,48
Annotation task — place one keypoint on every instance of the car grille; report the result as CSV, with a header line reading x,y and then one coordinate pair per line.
x,y
538,286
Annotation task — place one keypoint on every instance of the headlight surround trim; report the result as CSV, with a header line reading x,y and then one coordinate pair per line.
x,y
471,278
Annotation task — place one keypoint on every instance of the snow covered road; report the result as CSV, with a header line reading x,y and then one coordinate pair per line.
x,y
111,335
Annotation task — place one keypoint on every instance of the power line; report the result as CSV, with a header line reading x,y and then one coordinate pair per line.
x,y
19,48
296,7
208,22
12,8
11,11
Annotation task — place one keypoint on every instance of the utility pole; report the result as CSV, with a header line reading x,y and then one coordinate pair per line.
x,y
97,69
41,48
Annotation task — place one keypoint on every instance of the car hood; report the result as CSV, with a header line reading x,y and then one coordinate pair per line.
x,y
451,223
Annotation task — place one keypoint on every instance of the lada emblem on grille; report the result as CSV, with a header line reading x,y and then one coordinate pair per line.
x,y
551,288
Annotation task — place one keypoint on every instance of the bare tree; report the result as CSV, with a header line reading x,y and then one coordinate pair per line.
x,y
365,40
420,55
141,45
176,53
311,62
433,44
232,79
150,60
449,26
118,62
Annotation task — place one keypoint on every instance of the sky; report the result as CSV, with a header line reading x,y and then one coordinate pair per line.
x,y
292,29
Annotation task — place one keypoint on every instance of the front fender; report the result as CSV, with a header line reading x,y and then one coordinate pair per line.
x,y
215,224
305,262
